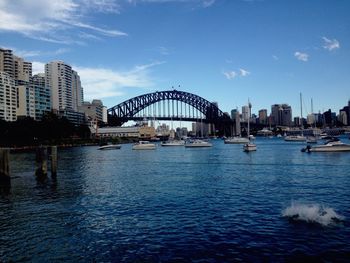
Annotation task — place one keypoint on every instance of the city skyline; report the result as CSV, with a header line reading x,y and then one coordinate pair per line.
x,y
224,51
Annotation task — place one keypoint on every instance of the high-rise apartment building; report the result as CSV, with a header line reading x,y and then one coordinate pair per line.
x,y
8,97
78,96
58,77
93,110
263,117
281,114
42,96
7,62
22,69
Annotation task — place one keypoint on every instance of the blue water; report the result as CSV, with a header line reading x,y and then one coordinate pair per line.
x,y
177,204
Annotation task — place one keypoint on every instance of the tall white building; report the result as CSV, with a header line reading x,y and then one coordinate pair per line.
x,y
8,97
58,77
245,113
78,97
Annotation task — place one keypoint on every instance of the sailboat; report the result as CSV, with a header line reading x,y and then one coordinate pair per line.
x,y
297,138
197,142
249,147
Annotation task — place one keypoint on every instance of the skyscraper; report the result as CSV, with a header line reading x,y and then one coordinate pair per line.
x,y
263,116
281,114
245,113
42,96
6,62
8,97
58,77
77,90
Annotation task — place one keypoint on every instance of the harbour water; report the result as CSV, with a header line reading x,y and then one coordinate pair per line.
x,y
177,204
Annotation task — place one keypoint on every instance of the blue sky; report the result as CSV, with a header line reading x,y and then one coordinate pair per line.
x,y
222,50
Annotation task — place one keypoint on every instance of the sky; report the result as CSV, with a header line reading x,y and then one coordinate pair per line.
x,y
226,51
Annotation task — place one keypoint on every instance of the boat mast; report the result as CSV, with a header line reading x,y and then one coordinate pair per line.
x,y
301,111
250,107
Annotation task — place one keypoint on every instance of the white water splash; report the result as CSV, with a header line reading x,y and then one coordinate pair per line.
x,y
312,213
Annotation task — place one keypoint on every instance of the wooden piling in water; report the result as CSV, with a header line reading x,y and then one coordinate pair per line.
x,y
4,165
53,160
41,161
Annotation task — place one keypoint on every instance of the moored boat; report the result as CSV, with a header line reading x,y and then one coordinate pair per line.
x,y
144,145
198,143
311,139
295,138
249,147
334,145
173,143
110,147
236,140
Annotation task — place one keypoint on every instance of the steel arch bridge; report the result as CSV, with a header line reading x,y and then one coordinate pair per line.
x,y
131,109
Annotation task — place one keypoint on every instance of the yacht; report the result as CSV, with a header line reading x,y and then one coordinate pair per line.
x,y
295,138
236,140
110,147
144,145
311,139
333,145
198,143
173,143
249,147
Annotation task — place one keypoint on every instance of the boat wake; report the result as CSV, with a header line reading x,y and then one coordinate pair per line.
x,y
312,213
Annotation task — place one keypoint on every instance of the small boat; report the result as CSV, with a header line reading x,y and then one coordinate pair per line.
x,y
110,147
295,138
173,143
197,144
249,147
330,146
236,140
311,139
144,145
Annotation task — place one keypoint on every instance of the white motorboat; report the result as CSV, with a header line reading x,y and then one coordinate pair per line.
x,y
144,145
173,143
110,147
330,146
311,139
236,140
198,143
295,138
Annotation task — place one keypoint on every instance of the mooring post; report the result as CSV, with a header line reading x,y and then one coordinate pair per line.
x,y
53,160
4,165
41,161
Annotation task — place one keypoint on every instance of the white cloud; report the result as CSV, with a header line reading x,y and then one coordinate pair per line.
x,y
54,21
38,67
35,53
233,74
230,74
243,73
208,3
301,56
201,3
103,82
275,57
330,44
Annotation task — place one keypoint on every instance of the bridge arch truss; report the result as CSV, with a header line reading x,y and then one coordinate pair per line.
x,y
129,109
